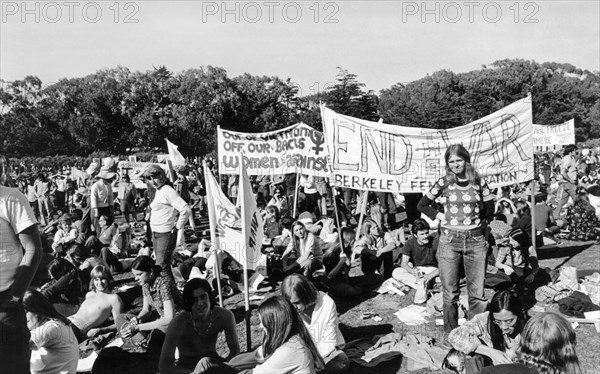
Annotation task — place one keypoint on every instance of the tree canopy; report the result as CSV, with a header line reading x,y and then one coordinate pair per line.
x,y
120,111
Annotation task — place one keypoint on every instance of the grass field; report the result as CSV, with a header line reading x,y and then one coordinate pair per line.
x,y
584,256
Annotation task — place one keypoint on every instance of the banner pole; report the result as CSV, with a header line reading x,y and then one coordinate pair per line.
x,y
337,218
213,233
242,196
533,228
363,208
296,195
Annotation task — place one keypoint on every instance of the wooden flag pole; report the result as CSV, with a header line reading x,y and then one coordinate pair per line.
x,y
243,197
363,208
213,233
296,195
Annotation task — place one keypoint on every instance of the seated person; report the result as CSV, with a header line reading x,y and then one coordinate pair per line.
x,y
55,348
375,249
545,224
518,259
65,235
496,333
77,255
194,332
64,285
337,265
98,305
307,251
419,263
319,314
272,224
99,245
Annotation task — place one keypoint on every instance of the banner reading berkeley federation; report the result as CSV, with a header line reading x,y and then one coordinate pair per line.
x,y
379,157
295,149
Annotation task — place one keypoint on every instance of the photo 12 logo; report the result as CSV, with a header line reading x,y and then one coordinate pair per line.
x,y
270,11
471,11
69,11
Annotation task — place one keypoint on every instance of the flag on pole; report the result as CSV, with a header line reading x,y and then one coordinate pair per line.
x,y
225,220
252,222
174,155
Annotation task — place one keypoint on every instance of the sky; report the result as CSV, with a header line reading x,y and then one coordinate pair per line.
x,y
382,42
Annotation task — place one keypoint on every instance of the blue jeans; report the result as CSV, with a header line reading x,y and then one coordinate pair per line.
x,y
164,245
470,249
568,190
14,338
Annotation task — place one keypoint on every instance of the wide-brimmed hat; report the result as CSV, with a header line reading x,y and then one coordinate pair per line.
x,y
93,168
106,173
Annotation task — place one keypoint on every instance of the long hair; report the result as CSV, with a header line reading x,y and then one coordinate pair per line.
x,y
101,271
145,263
36,303
295,239
298,285
460,151
505,300
281,322
190,287
366,228
548,342
5,169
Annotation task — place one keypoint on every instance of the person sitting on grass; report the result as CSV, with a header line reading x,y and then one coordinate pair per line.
x,y
496,333
65,235
307,248
194,332
419,263
98,305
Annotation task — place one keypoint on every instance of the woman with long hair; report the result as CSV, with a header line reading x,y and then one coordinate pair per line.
x,y
56,348
547,346
307,249
468,204
582,218
375,249
495,333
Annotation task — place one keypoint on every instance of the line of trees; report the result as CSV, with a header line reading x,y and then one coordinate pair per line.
x,y
119,111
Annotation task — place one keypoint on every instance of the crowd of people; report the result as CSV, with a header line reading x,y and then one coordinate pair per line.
x,y
459,229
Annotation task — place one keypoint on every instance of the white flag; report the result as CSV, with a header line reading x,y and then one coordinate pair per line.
x,y
174,155
225,221
252,222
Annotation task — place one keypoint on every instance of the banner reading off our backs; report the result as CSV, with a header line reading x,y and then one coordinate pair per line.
x,y
295,149
374,156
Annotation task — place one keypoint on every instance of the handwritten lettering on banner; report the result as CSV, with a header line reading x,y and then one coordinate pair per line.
x,y
563,134
295,149
375,156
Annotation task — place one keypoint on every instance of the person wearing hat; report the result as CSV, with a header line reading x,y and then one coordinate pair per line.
x,y
164,219
101,197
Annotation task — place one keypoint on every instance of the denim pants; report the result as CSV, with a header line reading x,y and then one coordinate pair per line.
x,y
568,190
468,248
164,245
14,338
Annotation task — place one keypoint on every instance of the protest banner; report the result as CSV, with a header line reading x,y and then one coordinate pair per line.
x,y
374,156
295,149
553,136
135,171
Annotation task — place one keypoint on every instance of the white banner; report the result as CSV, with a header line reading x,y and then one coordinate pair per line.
x,y
374,156
252,222
227,221
135,171
295,149
554,135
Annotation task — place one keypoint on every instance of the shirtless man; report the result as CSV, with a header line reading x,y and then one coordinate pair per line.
x,y
99,303
195,331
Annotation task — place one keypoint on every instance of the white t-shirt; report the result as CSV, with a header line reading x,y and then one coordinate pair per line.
x,y
16,215
58,351
293,357
165,206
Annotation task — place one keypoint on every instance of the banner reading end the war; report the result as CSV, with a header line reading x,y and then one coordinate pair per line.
x,y
295,149
368,155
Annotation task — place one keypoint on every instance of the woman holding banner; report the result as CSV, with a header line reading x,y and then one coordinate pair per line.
x,y
467,206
